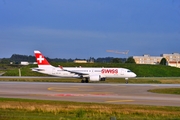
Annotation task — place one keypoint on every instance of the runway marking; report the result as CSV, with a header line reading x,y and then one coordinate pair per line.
x,y
100,93
155,85
58,89
82,86
66,95
37,95
117,86
70,88
72,94
114,85
114,101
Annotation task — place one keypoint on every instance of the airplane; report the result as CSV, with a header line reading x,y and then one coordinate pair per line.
x,y
85,73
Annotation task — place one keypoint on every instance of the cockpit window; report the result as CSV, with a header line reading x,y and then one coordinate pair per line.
x,y
128,71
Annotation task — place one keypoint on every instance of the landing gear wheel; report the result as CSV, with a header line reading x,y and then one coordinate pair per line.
x,y
82,81
87,80
103,79
126,80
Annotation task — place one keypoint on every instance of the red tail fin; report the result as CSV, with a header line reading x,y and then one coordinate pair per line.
x,y
41,60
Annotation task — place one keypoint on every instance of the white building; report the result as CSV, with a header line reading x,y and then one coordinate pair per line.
x,y
80,61
24,63
172,59
147,59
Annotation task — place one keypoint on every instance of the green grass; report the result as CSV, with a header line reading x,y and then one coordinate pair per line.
x,y
166,91
146,73
22,109
13,70
140,70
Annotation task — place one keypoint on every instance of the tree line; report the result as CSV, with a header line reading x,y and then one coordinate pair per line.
x,y
16,59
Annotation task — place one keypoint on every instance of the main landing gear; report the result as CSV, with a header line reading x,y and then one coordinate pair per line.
x,y
126,80
85,81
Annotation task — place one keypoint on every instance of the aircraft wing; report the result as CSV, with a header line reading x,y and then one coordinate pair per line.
x,y
77,73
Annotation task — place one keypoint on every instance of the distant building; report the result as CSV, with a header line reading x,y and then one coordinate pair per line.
x,y
91,60
34,63
80,61
27,63
24,63
172,59
147,59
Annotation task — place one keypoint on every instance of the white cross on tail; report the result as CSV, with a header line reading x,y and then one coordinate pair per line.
x,y
40,59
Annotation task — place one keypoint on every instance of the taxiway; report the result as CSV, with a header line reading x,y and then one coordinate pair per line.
x,y
91,92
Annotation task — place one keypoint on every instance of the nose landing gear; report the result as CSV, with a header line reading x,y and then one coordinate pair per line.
x,y
126,80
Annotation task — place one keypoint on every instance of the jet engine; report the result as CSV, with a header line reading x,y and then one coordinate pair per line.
x,y
96,78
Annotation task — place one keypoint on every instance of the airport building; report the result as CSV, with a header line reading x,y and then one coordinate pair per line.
x,y
147,59
91,60
172,59
24,63
80,61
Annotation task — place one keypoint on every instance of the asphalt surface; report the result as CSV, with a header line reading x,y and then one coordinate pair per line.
x,y
91,92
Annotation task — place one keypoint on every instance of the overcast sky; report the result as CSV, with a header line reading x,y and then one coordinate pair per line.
x,y
87,28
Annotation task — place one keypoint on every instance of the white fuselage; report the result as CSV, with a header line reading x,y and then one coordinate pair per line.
x,y
92,74
102,72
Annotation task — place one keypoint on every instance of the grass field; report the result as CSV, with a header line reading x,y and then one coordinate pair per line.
x,y
166,91
21,109
140,70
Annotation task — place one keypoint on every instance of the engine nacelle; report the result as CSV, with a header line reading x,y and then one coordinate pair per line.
x,y
96,78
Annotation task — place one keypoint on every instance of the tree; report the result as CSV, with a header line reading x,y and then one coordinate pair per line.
x,y
116,60
163,61
130,60
5,61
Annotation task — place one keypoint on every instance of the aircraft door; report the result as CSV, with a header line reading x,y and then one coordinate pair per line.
x,y
121,72
53,71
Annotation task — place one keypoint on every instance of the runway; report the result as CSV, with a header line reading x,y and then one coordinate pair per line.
x,y
91,92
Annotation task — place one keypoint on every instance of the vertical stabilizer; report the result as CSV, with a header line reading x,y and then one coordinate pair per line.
x,y
41,60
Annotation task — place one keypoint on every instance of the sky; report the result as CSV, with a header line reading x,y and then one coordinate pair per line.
x,y
87,28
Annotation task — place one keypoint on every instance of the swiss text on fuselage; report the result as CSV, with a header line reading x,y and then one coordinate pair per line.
x,y
111,71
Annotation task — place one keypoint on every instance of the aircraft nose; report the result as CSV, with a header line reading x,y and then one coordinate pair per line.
x,y
134,75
